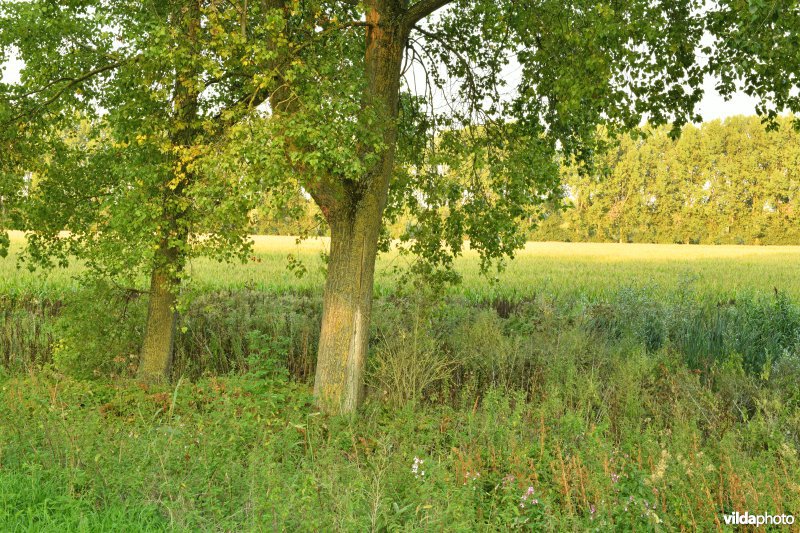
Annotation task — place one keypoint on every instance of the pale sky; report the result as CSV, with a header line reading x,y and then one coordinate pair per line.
x,y
11,71
712,107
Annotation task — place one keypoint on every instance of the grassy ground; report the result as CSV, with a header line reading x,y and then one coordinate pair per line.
x,y
554,268
613,388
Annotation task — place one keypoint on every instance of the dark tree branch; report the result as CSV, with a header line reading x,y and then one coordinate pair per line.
x,y
422,9
73,82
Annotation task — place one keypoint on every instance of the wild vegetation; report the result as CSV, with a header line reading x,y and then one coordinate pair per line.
x,y
638,395
590,387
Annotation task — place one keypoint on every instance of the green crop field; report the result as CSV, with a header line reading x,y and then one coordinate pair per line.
x,y
590,387
551,267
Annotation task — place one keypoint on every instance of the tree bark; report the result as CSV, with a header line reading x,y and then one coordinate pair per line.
x,y
354,210
347,306
155,361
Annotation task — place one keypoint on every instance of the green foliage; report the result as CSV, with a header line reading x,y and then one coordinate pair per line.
x,y
38,501
727,182
27,329
707,309
492,159
132,119
407,361
99,332
755,50
238,331
292,216
582,419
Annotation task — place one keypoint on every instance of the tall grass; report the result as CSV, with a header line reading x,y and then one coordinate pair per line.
x,y
595,387
97,330
592,436
26,329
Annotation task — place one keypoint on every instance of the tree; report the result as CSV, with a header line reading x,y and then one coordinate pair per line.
x,y
724,182
360,152
755,49
134,105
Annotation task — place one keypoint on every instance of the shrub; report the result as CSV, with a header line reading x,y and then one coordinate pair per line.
x,y
407,364
99,332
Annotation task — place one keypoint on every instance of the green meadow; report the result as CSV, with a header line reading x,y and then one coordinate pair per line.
x,y
551,267
590,387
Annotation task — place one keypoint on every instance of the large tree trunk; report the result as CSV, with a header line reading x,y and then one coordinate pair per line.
x,y
344,337
354,214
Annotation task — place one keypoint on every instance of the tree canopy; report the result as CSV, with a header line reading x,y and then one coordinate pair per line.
x,y
132,117
756,48
119,109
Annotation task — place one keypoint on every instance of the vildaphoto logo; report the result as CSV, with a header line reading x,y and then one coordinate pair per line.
x,y
746,519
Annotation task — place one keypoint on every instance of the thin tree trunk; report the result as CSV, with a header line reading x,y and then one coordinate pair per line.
x,y
155,361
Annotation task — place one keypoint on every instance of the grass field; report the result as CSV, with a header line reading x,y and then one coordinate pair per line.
x,y
555,268
593,387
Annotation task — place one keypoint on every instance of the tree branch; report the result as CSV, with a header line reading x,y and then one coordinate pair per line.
x,y
422,9
72,83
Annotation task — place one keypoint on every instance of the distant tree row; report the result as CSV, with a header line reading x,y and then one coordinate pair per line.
x,y
727,182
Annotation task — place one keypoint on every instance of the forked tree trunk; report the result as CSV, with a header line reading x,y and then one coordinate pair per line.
x,y
155,361
354,214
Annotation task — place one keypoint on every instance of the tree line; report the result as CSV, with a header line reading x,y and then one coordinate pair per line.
x,y
724,182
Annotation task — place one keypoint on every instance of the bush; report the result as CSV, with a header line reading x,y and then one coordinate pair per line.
x,y
487,355
99,332
407,364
